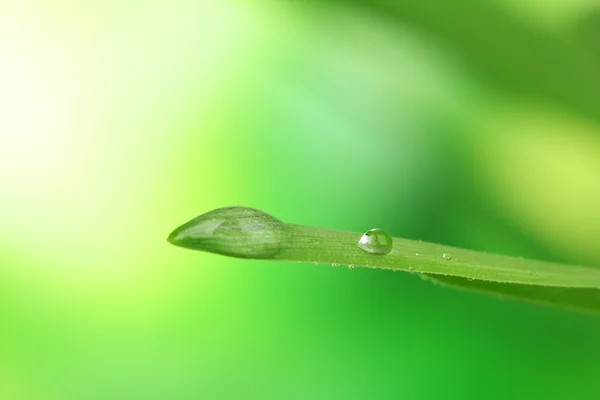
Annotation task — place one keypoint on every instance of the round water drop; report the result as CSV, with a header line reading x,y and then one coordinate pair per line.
x,y
417,255
351,266
376,241
333,265
447,256
410,268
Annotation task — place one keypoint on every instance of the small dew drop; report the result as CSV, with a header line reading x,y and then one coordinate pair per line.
x,y
333,265
447,256
376,241
351,266
417,255
410,268
470,279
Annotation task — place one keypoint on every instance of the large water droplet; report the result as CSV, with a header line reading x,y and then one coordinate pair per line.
x,y
233,231
376,241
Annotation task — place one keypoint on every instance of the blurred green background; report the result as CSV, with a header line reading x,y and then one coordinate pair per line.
x,y
468,123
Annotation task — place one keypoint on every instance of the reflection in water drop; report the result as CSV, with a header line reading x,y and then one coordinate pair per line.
x,y
351,266
376,241
447,256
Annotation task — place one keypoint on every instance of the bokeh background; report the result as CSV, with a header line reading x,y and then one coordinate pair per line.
x,y
468,123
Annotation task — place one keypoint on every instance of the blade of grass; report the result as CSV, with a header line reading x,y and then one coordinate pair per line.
x,y
249,233
575,299
310,244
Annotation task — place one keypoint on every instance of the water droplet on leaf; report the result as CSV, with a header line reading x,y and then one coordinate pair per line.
x,y
376,241
351,266
447,256
333,265
233,231
410,268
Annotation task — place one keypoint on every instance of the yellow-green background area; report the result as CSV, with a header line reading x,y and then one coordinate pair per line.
x,y
450,122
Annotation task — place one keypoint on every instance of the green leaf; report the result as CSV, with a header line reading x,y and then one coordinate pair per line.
x,y
576,299
249,233
512,55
